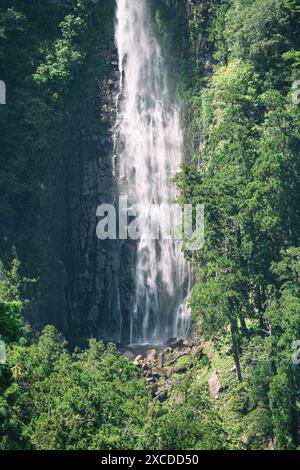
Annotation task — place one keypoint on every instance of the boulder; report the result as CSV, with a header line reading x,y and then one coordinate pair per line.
x,y
145,367
175,343
150,380
214,384
162,396
170,342
129,355
138,360
159,372
168,351
177,356
151,355
161,359
198,352
154,389
182,369
210,355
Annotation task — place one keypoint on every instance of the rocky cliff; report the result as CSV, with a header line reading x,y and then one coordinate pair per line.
x,y
78,274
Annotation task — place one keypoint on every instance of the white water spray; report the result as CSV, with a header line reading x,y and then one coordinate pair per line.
x,y
148,153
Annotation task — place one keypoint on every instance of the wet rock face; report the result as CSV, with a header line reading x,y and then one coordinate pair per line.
x,y
93,265
93,273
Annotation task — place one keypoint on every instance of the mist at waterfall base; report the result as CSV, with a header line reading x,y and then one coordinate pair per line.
x,y
148,151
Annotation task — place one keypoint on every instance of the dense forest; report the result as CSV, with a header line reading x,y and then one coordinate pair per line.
x,y
234,67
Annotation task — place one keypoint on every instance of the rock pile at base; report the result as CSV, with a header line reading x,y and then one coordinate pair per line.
x,y
162,368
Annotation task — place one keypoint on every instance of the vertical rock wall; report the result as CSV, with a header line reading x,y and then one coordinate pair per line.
x,y
79,274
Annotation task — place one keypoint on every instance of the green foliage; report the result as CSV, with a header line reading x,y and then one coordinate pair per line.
x,y
12,284
12,301
11,325
247,175
189,420
10,320
88,400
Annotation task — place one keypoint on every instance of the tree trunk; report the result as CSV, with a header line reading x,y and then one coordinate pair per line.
x,y
243,325
235,347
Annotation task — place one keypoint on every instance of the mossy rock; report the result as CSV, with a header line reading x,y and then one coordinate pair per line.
x,y
183,363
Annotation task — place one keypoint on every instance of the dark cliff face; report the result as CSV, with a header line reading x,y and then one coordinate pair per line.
x,y
78,274
92,302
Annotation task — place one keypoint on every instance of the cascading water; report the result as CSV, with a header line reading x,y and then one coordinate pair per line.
x,y
148,150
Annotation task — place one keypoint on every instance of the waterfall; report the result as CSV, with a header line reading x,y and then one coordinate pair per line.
x,y
148,151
